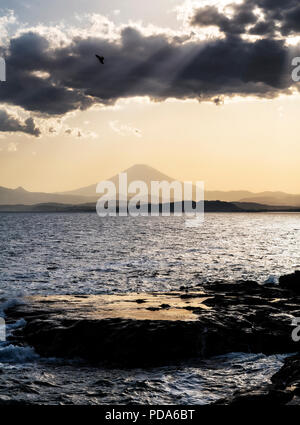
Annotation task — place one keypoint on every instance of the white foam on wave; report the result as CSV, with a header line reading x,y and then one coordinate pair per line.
x,y
9,303
272,280
14,354
18,324
10,353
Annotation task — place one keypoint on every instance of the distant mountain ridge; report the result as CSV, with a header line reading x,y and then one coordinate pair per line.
x,y
141,172
146,174
22,196
209,206
266,198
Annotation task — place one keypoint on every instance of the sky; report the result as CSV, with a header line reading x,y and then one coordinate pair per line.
x,y
199,90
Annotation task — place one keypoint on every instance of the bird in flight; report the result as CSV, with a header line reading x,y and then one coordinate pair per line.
x,y
101,59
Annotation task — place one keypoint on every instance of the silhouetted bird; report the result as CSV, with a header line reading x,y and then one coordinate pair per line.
x,y
101,59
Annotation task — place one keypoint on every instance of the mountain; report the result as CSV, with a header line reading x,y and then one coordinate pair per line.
x,y
22,196
265,198
146,174
79,196
229,196
139,172
273,198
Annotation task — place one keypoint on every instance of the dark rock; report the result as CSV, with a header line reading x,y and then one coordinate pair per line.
x,y
289,374
291,282
265,396
140,301
162,328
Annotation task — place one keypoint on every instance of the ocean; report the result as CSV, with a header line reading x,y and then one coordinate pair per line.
x,y
73,253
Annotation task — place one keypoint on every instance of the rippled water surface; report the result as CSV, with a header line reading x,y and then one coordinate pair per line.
x,y
81,253
206,382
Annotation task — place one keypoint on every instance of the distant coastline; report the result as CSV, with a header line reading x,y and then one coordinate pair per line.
x,y
209,206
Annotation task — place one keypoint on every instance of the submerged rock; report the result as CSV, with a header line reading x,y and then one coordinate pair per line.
x,y
133,330
114,329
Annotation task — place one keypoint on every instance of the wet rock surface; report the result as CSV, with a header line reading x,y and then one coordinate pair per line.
x,y
134,330
160,328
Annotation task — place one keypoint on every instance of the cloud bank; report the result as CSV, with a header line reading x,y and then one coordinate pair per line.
x,y
52,79
254,17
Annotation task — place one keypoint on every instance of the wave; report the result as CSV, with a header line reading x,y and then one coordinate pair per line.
x,y
272,280
10,353
14,354
9,303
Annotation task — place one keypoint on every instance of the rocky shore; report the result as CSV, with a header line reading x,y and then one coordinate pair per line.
x,y
134,330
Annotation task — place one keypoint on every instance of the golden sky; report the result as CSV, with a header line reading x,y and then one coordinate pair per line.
x,y
244,143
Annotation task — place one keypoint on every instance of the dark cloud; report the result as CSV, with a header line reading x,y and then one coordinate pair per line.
x,y
27,54
291,22
9,123
279,16
210,16
54,81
